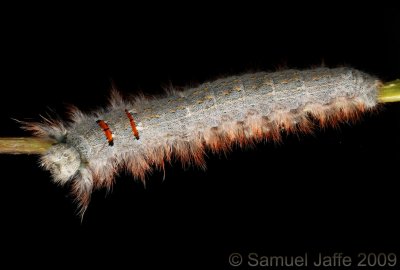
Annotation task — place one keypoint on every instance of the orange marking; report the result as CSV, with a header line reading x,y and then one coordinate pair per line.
x,y
107,131
133,125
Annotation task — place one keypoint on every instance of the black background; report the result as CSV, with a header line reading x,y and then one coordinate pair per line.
x,y
333,191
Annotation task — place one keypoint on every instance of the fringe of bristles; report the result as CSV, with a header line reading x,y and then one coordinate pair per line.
x,y
254,129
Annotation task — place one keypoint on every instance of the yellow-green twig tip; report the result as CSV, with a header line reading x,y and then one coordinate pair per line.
x,y
390,92
24,145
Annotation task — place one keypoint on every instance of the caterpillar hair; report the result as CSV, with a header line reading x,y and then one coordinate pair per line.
x,y
140,134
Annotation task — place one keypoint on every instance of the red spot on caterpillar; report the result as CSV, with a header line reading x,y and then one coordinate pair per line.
x,y
133,125
107,131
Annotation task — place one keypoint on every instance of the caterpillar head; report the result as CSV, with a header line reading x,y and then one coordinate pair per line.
x,y
63,162
65,165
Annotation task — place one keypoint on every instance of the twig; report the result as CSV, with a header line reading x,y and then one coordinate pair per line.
x,y
390,92
24,145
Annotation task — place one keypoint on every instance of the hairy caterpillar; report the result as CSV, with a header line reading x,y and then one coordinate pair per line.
x,y
142,133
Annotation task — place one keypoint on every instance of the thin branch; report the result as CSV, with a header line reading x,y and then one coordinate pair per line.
x,y
24,145
390,92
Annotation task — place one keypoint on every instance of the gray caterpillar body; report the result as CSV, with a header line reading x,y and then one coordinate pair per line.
x,y
183,124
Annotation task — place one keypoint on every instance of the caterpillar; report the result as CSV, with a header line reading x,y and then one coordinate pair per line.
x,y
143,133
